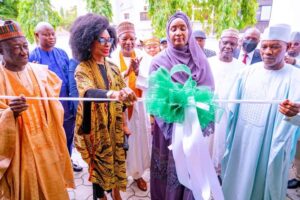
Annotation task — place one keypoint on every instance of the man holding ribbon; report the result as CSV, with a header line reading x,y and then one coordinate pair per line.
x,y
293,53
261,137
34,159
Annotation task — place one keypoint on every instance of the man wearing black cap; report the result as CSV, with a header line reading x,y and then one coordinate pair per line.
x,y
200,36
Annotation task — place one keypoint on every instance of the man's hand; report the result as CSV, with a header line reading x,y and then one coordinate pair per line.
x,y
135,65
289,108
290,60
18,105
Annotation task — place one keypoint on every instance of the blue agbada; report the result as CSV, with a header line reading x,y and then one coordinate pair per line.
x,y
259,138
58,62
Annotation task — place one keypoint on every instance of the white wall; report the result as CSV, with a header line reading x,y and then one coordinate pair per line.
x,y
286,11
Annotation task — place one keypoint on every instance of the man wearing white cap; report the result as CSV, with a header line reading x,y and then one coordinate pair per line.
x,y
129,60
225,69
260,136
293,56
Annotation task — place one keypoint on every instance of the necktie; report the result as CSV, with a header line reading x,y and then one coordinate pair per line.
x,y
245,59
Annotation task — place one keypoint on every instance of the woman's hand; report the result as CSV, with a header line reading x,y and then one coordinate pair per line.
x,y
289,108
124,95
18,105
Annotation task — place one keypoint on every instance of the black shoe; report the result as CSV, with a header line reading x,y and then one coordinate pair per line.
x,y
76,168
293,184
220,179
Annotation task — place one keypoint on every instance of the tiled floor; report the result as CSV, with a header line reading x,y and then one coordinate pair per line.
x,y
83,189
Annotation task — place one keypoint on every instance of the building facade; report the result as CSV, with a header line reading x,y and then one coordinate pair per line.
x,y
135,11
263,14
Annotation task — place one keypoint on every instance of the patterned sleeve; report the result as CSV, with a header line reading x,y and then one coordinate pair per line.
x,y
118,75
83,80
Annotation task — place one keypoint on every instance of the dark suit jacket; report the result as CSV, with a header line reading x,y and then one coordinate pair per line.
x,y
256,56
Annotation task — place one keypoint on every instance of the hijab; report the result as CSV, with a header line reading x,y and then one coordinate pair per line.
x,y
191,55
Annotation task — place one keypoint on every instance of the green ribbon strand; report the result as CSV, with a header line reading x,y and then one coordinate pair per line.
x,y
167,99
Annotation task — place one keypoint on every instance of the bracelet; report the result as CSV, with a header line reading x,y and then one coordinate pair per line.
x,y
109,93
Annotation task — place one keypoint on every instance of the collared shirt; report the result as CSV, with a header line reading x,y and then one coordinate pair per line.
x,y
249,57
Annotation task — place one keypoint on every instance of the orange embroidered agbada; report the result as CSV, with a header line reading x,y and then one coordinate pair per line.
x,y
34,160
131,80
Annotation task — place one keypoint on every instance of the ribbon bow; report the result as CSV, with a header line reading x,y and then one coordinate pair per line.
x,y
176,103
168,100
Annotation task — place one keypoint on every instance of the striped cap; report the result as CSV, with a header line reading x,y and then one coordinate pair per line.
x,y
150,41
10,30
231,32
125,27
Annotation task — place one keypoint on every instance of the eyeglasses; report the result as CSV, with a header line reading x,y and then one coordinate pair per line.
x,y
104,41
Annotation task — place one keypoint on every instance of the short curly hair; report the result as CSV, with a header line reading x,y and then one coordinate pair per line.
x,y
84,31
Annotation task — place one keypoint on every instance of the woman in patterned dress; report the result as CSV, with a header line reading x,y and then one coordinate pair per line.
x,y
99,135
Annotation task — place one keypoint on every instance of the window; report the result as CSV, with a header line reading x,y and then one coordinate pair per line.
x,y
126,15
265,13
144,16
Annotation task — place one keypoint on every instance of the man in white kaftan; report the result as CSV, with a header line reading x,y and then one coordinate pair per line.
x,y
130,61
225,69
260,136
293,54
293,58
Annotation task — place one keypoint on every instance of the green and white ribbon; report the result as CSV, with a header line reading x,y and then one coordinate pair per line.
x,y
191,109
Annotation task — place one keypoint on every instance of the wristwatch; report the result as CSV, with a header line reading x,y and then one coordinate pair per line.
x,y
109,93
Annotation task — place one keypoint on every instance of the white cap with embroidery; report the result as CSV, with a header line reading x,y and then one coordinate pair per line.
x,y
280,32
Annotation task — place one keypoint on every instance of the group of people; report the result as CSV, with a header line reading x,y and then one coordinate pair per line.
x,y
251,146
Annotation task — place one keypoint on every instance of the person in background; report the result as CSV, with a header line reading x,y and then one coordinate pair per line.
x,y
248,54
226,70
129,60
293,58
99,135
293,54
200,36
139,44
260,137
34,159
58,61
151,49
151,46
163,44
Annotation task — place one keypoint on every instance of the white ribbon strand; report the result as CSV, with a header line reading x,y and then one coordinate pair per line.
x,y
198,104
193,163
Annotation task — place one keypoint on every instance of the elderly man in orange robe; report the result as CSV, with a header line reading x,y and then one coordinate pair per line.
x,y
34,160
